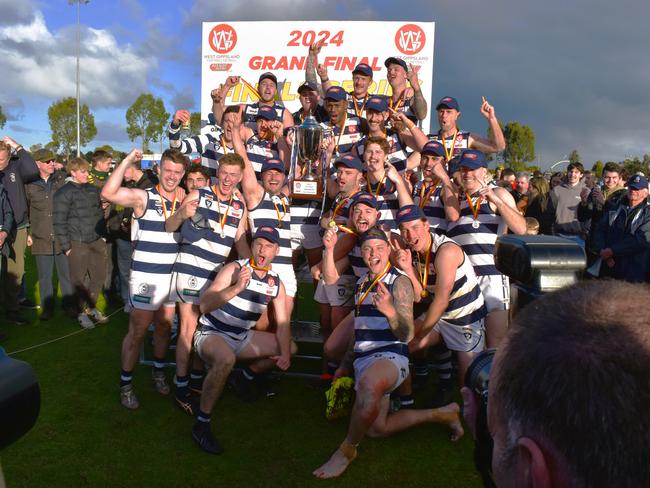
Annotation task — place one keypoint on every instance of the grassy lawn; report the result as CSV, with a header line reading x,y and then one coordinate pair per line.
x,y
84,437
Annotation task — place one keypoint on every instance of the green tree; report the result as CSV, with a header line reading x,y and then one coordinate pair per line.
x,y
195,123
597,168
63,124
146,119
574,157
520,145
105,147
35,147
3,118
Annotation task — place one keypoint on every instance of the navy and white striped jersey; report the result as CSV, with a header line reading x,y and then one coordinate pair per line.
x,y
258,151
251,109
460,142
200,258
466,304
211,146
386,194
275,211
478,244
358,110
357,263
351,134
372,332
241,313
397,154
154,249
430,201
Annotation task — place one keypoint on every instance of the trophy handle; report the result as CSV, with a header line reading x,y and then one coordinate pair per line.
x,y
294,160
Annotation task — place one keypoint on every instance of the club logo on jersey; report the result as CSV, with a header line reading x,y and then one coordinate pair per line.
x,y
159,208
271,282
410,39
208,202
143,288
222,38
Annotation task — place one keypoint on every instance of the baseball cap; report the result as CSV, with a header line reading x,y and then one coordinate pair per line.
x,y
196,227
266,112
394,60
268,76
363,69
377,103
433,147
43,155
373,233
349,161
366,199
307,86
269,233
336,93
638,182
448,102
472,159
409,213
272,163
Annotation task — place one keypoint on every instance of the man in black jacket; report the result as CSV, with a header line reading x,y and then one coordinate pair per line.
x,y
79,227
6,228
45,248
15,172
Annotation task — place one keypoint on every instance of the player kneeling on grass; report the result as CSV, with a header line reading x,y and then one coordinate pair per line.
x,y
231,306
383,326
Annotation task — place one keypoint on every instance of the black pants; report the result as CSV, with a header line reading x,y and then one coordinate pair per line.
x,y
87,259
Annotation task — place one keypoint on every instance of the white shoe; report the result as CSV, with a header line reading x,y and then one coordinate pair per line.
x,y
85,321
97,316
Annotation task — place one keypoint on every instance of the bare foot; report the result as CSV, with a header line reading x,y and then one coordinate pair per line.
x,y
336,465
450,415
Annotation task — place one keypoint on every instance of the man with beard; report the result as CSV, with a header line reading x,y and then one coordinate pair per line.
x,y
267,89
401,135
455,140
486,212
213,220
231,307
154,254
346,130
383,325
309,104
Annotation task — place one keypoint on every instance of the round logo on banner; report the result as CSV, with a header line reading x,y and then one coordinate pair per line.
x,y
410,39
222,38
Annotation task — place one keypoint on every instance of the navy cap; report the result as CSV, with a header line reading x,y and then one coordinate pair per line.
x,y
196,227
409,213
266,112
638,182
433,147
372,233
268,76
363,69
307,86
453,166
336,93
394,60
472,159
448,102
378,104
366,199
349,161
268,233
272,163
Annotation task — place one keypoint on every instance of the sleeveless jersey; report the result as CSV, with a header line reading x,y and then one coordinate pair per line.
x,y
372,332
397,154
236,317
259,151
460,144
386,194
251,109
357,263
351,134
466,304
433,207
360,109
274,211
200,258
478,244
154,249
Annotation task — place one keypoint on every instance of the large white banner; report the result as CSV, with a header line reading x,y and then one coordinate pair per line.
x,y
248,49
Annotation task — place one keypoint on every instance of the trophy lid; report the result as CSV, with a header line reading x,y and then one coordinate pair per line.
x,y
309,122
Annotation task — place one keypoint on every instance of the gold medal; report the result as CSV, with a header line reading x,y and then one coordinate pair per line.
x,y
333,225
424,293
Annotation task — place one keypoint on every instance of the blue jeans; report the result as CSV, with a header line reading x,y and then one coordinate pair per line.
x,y
45,264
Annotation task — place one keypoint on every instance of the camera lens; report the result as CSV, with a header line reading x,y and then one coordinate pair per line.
x,y
477,377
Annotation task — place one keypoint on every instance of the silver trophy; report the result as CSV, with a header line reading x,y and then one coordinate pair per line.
x,y
308,150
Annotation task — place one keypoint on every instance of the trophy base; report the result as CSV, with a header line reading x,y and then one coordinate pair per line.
x,y
307,190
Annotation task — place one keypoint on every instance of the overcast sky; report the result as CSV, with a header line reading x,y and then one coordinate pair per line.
x,y
577,72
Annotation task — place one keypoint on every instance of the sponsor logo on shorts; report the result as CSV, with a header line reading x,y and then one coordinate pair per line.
x,y
141,299
190,293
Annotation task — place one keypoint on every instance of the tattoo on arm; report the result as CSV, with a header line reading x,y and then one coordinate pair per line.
x,y
419,105
402,323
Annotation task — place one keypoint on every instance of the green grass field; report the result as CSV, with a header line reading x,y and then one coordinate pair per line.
x,y
84,437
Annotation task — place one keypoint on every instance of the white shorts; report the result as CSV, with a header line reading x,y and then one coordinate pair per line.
x,y
461,338
496,291
340,294
149,291
235,345
306,236
400,362
288,278
187,289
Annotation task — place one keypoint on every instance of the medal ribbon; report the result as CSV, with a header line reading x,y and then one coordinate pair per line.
x,y
251,88
277,209
399,103
222,220
425,198
424,277
356,106
347,230
164,205
251,261
339,205
223,145
372,285
475,208
376,192
338,140
450,153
